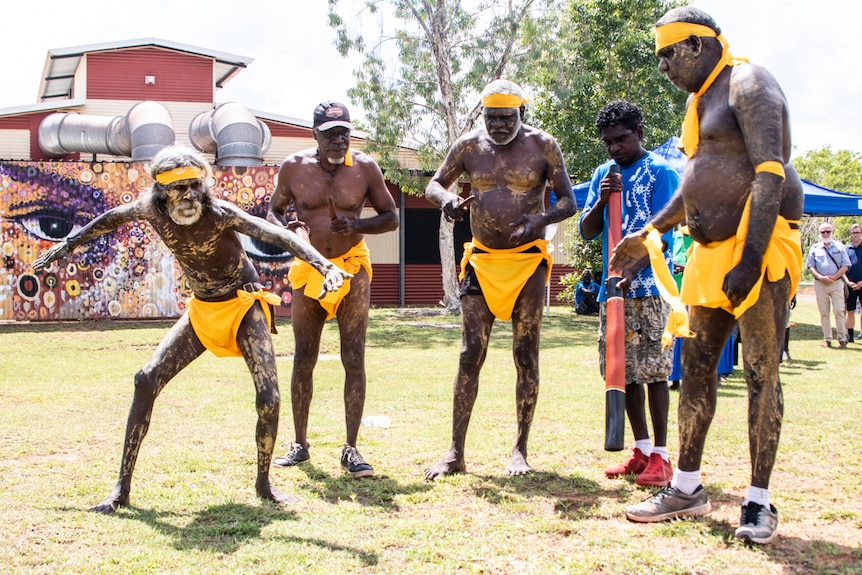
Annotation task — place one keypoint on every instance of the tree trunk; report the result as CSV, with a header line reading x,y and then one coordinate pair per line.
x,y
451,297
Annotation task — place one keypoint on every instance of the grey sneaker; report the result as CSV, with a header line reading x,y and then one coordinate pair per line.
x,y
353,463
670,503
294,456
757,524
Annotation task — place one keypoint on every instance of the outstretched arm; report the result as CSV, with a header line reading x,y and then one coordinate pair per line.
x,y
630,255
259,228
102,224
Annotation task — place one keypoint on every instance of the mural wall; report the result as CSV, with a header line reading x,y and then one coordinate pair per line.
x,y
125,274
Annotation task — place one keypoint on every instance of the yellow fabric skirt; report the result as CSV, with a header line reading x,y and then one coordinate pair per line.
x,y
217,323
302,274
503,273
709,263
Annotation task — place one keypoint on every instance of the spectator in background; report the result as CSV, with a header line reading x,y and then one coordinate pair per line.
x,y
586,294
681,244
854,276
828,260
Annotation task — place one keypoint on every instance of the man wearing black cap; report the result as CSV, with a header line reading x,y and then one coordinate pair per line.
x,y
328,186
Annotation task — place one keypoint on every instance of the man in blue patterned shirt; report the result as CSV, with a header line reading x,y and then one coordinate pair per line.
x,y
647,184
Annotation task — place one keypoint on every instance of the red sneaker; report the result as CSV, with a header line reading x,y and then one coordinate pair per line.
x,y
636,463
658,472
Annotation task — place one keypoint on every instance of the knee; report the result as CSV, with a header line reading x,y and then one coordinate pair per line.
x,y
471,358
146,383
526,357
303,365
268,401
353,360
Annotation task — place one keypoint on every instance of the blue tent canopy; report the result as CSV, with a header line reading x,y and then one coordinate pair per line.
x,y
825,202
818,201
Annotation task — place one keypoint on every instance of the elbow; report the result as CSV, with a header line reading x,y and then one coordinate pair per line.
x,y
392,222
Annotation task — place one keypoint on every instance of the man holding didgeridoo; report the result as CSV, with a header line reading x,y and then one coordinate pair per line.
x,y
647,184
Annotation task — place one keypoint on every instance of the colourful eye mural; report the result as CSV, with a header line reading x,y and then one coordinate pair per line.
x,y
125,274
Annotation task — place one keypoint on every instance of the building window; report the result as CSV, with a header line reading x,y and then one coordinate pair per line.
x,y
422,232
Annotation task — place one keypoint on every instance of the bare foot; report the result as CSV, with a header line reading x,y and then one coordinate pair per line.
x,y
269,493
446,466
111,502
518,465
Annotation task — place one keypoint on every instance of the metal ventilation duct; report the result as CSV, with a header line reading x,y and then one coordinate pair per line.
x,y
232,133
143,131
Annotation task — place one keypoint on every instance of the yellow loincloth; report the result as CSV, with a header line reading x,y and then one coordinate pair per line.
x,y
303,273
503,273
707,265
217,323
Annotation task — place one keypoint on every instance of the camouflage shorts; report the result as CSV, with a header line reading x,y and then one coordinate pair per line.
x,y
646,362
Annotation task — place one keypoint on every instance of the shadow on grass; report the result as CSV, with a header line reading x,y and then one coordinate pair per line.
x,y
795,554
376,491
221,528
576,497
226,528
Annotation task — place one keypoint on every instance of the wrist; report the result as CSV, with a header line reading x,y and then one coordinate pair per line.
x,y
645,231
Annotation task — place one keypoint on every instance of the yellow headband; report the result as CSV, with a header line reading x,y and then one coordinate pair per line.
x,y
503,101
674,32
177,174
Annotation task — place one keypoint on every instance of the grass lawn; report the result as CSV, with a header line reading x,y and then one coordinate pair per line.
x,y
65,391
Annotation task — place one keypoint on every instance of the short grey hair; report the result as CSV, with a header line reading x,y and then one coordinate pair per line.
x,y
503,87
172,157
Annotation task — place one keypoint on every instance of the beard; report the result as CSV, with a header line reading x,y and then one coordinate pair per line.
x,y
336,160
504,138
186,212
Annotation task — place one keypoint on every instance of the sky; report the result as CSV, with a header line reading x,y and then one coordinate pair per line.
x,y
813,52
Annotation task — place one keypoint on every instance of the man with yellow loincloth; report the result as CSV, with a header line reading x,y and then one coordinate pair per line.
x,y
328,186
741,200
507,265
229,313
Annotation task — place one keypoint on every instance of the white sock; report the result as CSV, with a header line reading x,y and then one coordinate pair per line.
x,y
645,445
661,451
757,495
686,481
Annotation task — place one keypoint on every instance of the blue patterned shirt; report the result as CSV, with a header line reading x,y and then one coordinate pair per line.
x,y
648,186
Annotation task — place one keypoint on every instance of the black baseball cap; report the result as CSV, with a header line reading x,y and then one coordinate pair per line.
x,y
328,115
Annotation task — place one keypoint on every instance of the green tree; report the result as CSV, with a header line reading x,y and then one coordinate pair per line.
x,y
421,79
582,55
587,53
842,171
